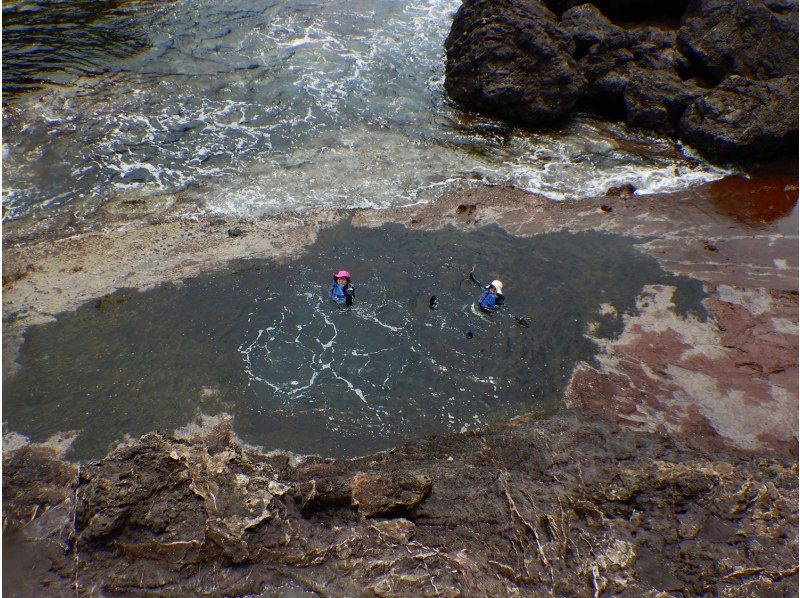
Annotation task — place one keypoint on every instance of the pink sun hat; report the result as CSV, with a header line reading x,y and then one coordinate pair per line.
x,y
342,274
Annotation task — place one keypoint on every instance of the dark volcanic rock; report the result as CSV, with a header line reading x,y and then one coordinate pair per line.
x,y
509,58
744,119
628,10
614,64
626,190
656,100
568,506
588,26
512,60
752,38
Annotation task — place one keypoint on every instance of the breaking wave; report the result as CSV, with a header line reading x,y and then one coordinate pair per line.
x,y
264,106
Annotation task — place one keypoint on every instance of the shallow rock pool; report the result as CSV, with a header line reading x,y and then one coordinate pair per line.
x,y
261,341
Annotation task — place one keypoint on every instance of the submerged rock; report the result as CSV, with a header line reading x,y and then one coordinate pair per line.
x,y
568,505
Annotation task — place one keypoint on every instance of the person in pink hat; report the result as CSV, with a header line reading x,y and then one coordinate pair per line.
x,y
342,290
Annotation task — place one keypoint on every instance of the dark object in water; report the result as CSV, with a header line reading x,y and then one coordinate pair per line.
x,y
235,232
349,294
523,321
469,334
710,246
625,190
434,302
606,208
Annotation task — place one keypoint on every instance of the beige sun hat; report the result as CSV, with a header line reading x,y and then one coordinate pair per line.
x,y
498,285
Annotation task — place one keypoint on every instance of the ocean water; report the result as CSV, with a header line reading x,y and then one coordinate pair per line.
x,y
249,107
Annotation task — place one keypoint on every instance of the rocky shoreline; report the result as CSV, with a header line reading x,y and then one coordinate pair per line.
x,y
744,353
569,505
672,467
649,481
691,70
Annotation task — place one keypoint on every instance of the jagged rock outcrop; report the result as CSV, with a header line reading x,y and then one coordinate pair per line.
x,y
569,505
672,81
742,116
510,58
588,26
751,38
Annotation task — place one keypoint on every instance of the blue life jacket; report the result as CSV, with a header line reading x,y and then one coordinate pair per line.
x,y
337,292
489,302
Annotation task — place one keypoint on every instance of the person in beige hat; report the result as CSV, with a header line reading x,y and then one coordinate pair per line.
x,y
491,298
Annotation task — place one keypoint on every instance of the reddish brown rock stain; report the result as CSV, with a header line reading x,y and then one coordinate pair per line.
x,y
728,382
758,199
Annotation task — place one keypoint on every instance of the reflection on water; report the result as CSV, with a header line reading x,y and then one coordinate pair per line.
x,y
259,106
261,341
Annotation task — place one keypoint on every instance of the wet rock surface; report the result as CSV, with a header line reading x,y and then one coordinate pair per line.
x,y
569,505
694,78
744,117
511,57
703,380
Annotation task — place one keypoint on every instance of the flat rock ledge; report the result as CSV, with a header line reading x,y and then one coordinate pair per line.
x,y
570,505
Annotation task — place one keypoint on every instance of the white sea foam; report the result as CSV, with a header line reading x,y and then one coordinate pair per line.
x,y
274,107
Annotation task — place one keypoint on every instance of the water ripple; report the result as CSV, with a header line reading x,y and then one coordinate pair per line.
x,y
271,105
